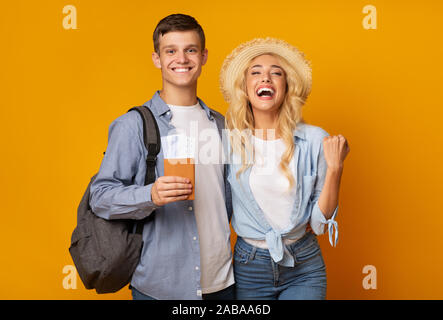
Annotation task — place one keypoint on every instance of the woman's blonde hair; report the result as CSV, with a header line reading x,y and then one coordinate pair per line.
x,y
240,119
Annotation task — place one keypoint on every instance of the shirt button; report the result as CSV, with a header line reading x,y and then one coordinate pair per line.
x,y
199,293
190,208
195,238
196,268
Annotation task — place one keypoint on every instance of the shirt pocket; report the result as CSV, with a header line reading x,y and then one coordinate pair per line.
x,y
240,256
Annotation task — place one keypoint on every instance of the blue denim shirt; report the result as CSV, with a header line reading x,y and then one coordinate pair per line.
x,y
169,267
249,220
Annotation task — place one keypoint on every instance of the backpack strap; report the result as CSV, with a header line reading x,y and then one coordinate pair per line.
x,y
151,136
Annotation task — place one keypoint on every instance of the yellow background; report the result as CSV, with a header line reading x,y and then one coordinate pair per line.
x,y
382,89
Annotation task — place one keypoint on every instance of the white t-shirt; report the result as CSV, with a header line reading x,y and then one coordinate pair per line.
x,y
270,186
209,204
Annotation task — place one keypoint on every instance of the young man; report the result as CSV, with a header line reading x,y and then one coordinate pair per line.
x,y
186,252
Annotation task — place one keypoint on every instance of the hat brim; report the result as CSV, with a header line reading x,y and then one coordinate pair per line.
x,y
238,60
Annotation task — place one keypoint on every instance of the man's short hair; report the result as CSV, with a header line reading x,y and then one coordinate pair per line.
x,y
177,22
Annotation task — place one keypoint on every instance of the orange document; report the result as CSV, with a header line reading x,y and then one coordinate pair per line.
x,y
184,167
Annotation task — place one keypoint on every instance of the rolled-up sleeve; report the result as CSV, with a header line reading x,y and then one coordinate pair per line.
x,y
114,194
318,220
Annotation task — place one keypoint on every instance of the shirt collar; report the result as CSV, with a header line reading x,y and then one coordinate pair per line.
x,y
299,132
159,107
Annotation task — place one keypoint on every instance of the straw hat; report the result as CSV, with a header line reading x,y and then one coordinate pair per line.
x,y
238,60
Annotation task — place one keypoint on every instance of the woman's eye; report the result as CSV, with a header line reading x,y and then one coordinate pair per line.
x,y
255,72
277,73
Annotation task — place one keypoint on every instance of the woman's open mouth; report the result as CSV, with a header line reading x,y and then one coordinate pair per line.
x,y
265,93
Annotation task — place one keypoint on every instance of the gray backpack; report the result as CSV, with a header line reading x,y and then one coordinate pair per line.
x,y
106,252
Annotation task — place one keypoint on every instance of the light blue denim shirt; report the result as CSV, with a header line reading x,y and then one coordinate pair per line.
x,y
249,220
169,266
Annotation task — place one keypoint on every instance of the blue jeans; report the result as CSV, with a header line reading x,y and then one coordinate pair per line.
x,y
258,277
225,294
137,295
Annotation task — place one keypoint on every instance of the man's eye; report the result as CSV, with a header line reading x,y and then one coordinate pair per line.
x,y
169,51
192,50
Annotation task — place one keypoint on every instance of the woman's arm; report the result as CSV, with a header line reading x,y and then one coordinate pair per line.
x,y
336,149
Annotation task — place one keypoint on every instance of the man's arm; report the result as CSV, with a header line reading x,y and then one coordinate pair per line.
x,y
113,193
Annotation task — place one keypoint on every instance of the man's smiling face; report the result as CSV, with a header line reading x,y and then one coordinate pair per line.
x,y
180,58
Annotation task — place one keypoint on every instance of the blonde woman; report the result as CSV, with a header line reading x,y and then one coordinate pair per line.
x,y
284,174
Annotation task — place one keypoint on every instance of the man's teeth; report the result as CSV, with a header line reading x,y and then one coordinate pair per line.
x,y
261,90
182,69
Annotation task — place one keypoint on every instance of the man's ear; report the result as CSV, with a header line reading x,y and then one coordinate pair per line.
x,y
204,56
156,60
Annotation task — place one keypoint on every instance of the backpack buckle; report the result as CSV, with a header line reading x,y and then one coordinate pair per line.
x,y
151,161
